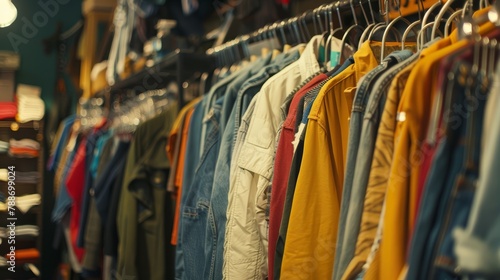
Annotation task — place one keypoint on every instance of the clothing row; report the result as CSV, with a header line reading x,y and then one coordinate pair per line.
x,y
111,198
370,170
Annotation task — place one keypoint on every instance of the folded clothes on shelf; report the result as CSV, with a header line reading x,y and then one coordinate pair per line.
x,y
25,143
30,107
25,202
24,230
4,146
24,148
30,177
8,110
26,255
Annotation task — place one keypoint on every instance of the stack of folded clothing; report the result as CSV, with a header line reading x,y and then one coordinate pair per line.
x,y
30,177
4,146
24,230
25,202
30,107
8,110
26,255
24,148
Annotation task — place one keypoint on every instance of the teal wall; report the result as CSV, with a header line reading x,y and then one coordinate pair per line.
x,y
37,20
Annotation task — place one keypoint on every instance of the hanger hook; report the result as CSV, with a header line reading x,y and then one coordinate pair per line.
x,y
314,21
364,12
371,11
304,24
330,18
283,37
337,7
353,12
319,21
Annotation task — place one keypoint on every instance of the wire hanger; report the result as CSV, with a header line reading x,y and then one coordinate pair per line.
x,y
388,28
426,17
453,17
370,26
349,30
439,17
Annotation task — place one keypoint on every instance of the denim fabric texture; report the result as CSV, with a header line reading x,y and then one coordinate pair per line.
x,y
196,199
477,244
361,129
67,123
63,201
97,153
234,87
214,250
192,158
460,203
89,183
103,187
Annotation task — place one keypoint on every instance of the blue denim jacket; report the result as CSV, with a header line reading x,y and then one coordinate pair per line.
x,y
477,244
89,183
195,199
66,128
218,202
192,158
217,199
459,205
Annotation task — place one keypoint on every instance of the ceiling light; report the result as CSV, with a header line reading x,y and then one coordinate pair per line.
x,y
8,13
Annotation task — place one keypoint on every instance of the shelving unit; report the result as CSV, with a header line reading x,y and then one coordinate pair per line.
x,y
10,129
175,66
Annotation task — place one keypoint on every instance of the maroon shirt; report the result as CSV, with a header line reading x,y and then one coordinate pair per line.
x,y
282,164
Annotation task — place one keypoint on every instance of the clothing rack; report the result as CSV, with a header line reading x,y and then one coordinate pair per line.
x,y
293,29
178,64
